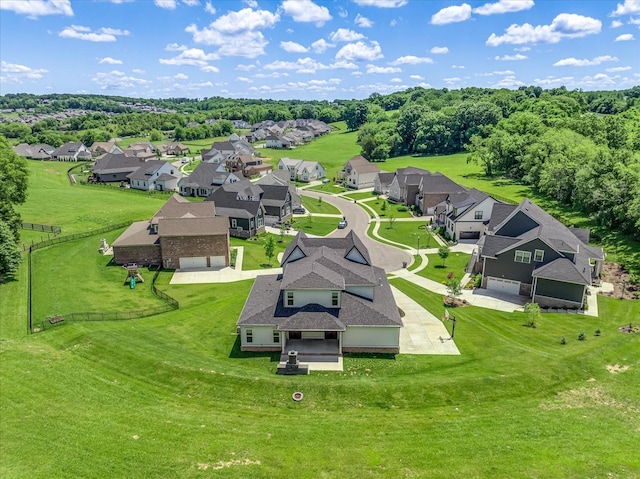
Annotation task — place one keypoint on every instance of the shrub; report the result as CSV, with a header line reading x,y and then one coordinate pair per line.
x,y
478,280
402,209
582,336
597,332
563,341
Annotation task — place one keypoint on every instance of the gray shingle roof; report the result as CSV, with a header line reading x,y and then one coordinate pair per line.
x,y
116,163
562,269
193,226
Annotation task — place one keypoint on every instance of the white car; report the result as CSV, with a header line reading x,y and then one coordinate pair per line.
x,y
342,224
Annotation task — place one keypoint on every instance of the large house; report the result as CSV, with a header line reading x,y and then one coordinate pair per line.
x,y
101,147
328,292
115,167
173,149
241,204
302,170
71,151
528,252
465,214
40,151
359,173
205,179
181,235
155,175
247,165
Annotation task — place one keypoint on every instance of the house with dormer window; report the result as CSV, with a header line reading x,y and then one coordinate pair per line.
x,y
528,252
155,175
329,293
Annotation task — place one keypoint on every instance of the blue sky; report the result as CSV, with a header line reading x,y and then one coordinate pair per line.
x,y
313,49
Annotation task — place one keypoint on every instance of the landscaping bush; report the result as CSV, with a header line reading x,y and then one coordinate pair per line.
x,y
582,336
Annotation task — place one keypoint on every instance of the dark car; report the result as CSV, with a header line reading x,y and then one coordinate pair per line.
x,y
342,225
299,210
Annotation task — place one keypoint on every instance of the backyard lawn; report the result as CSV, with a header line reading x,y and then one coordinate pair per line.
x,y
254,256
314,205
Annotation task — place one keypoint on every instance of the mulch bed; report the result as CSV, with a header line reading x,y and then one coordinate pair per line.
x,y
615,274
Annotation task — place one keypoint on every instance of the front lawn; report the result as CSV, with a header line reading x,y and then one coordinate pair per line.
x,y
455,263
407,233
316,205
330,188
315,225
386,209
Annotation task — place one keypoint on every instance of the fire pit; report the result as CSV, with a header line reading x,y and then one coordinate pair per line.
x,y
297,396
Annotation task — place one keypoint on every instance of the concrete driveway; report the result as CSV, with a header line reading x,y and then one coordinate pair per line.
x,y
384,256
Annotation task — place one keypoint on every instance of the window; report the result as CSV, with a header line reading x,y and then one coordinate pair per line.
x,y
249,335
478,215
335,296
538,255
276,336
234,223
523,256
289,298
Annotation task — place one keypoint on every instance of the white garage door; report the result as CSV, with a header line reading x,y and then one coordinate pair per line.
x,y
504,285
217,261
196,262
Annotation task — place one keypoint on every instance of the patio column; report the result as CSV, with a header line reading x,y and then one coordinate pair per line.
x,y
283,340
340,342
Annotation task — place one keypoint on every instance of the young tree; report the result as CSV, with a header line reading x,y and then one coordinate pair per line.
x,y
383,207
270,248
392,219
533,313
443,252
454,287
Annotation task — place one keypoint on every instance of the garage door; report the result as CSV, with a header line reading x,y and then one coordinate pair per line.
x,y
503,285
469,235
196,262
217,261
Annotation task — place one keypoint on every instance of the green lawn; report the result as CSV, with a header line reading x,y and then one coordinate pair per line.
x,y
455,263
315,225
330,188
398,211
313,206
52,200
407,233
254,257
360,195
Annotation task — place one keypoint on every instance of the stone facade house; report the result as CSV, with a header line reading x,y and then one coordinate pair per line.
x,y
328,292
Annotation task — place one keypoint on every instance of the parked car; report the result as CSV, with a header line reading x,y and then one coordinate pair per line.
x,y
325,181
342,224
299,210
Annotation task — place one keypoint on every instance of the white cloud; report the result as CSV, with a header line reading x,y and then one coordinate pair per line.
x,y
209,8
377,69
565,25
110,61
116,80
618,69
504,6
36,8
191,3
210,69
320,46
452,14
174,47
458,67
452,80
381,3
138,71
345,35
574,62
522,49
363,22
180,76
84,33
244,79
191,56
272,75
629,7
416,77
360,51
16,73
293,47
634,21
616,24
166,4
439,50
508,82
496,72
411,60
306,11
301,65
516,57
342,13
551,81
245,20
251,3
245,68
396,80
626,37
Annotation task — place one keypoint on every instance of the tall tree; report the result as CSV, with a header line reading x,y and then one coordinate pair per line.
x,y
13,185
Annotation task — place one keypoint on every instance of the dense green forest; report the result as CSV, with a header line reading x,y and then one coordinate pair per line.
x,y
581,148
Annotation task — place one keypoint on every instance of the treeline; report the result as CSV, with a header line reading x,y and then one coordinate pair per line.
x,y
589,161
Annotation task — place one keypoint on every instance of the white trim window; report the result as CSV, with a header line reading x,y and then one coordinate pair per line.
x,y
249,335
276,336
523,256
478,214
538,256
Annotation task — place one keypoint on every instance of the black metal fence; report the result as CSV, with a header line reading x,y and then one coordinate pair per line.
x,y
46,228
171,304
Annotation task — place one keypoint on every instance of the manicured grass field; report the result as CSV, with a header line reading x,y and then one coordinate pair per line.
x,y
398,211
360,195
254,257
53,201
313,206
407,233
455,263
330,188
315,225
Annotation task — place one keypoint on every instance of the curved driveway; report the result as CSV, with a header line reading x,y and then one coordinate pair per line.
x,y
384,256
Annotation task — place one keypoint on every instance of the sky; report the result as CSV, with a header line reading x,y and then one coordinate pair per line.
x,y
314,49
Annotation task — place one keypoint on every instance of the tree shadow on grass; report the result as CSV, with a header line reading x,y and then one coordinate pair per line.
x,y
236,353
